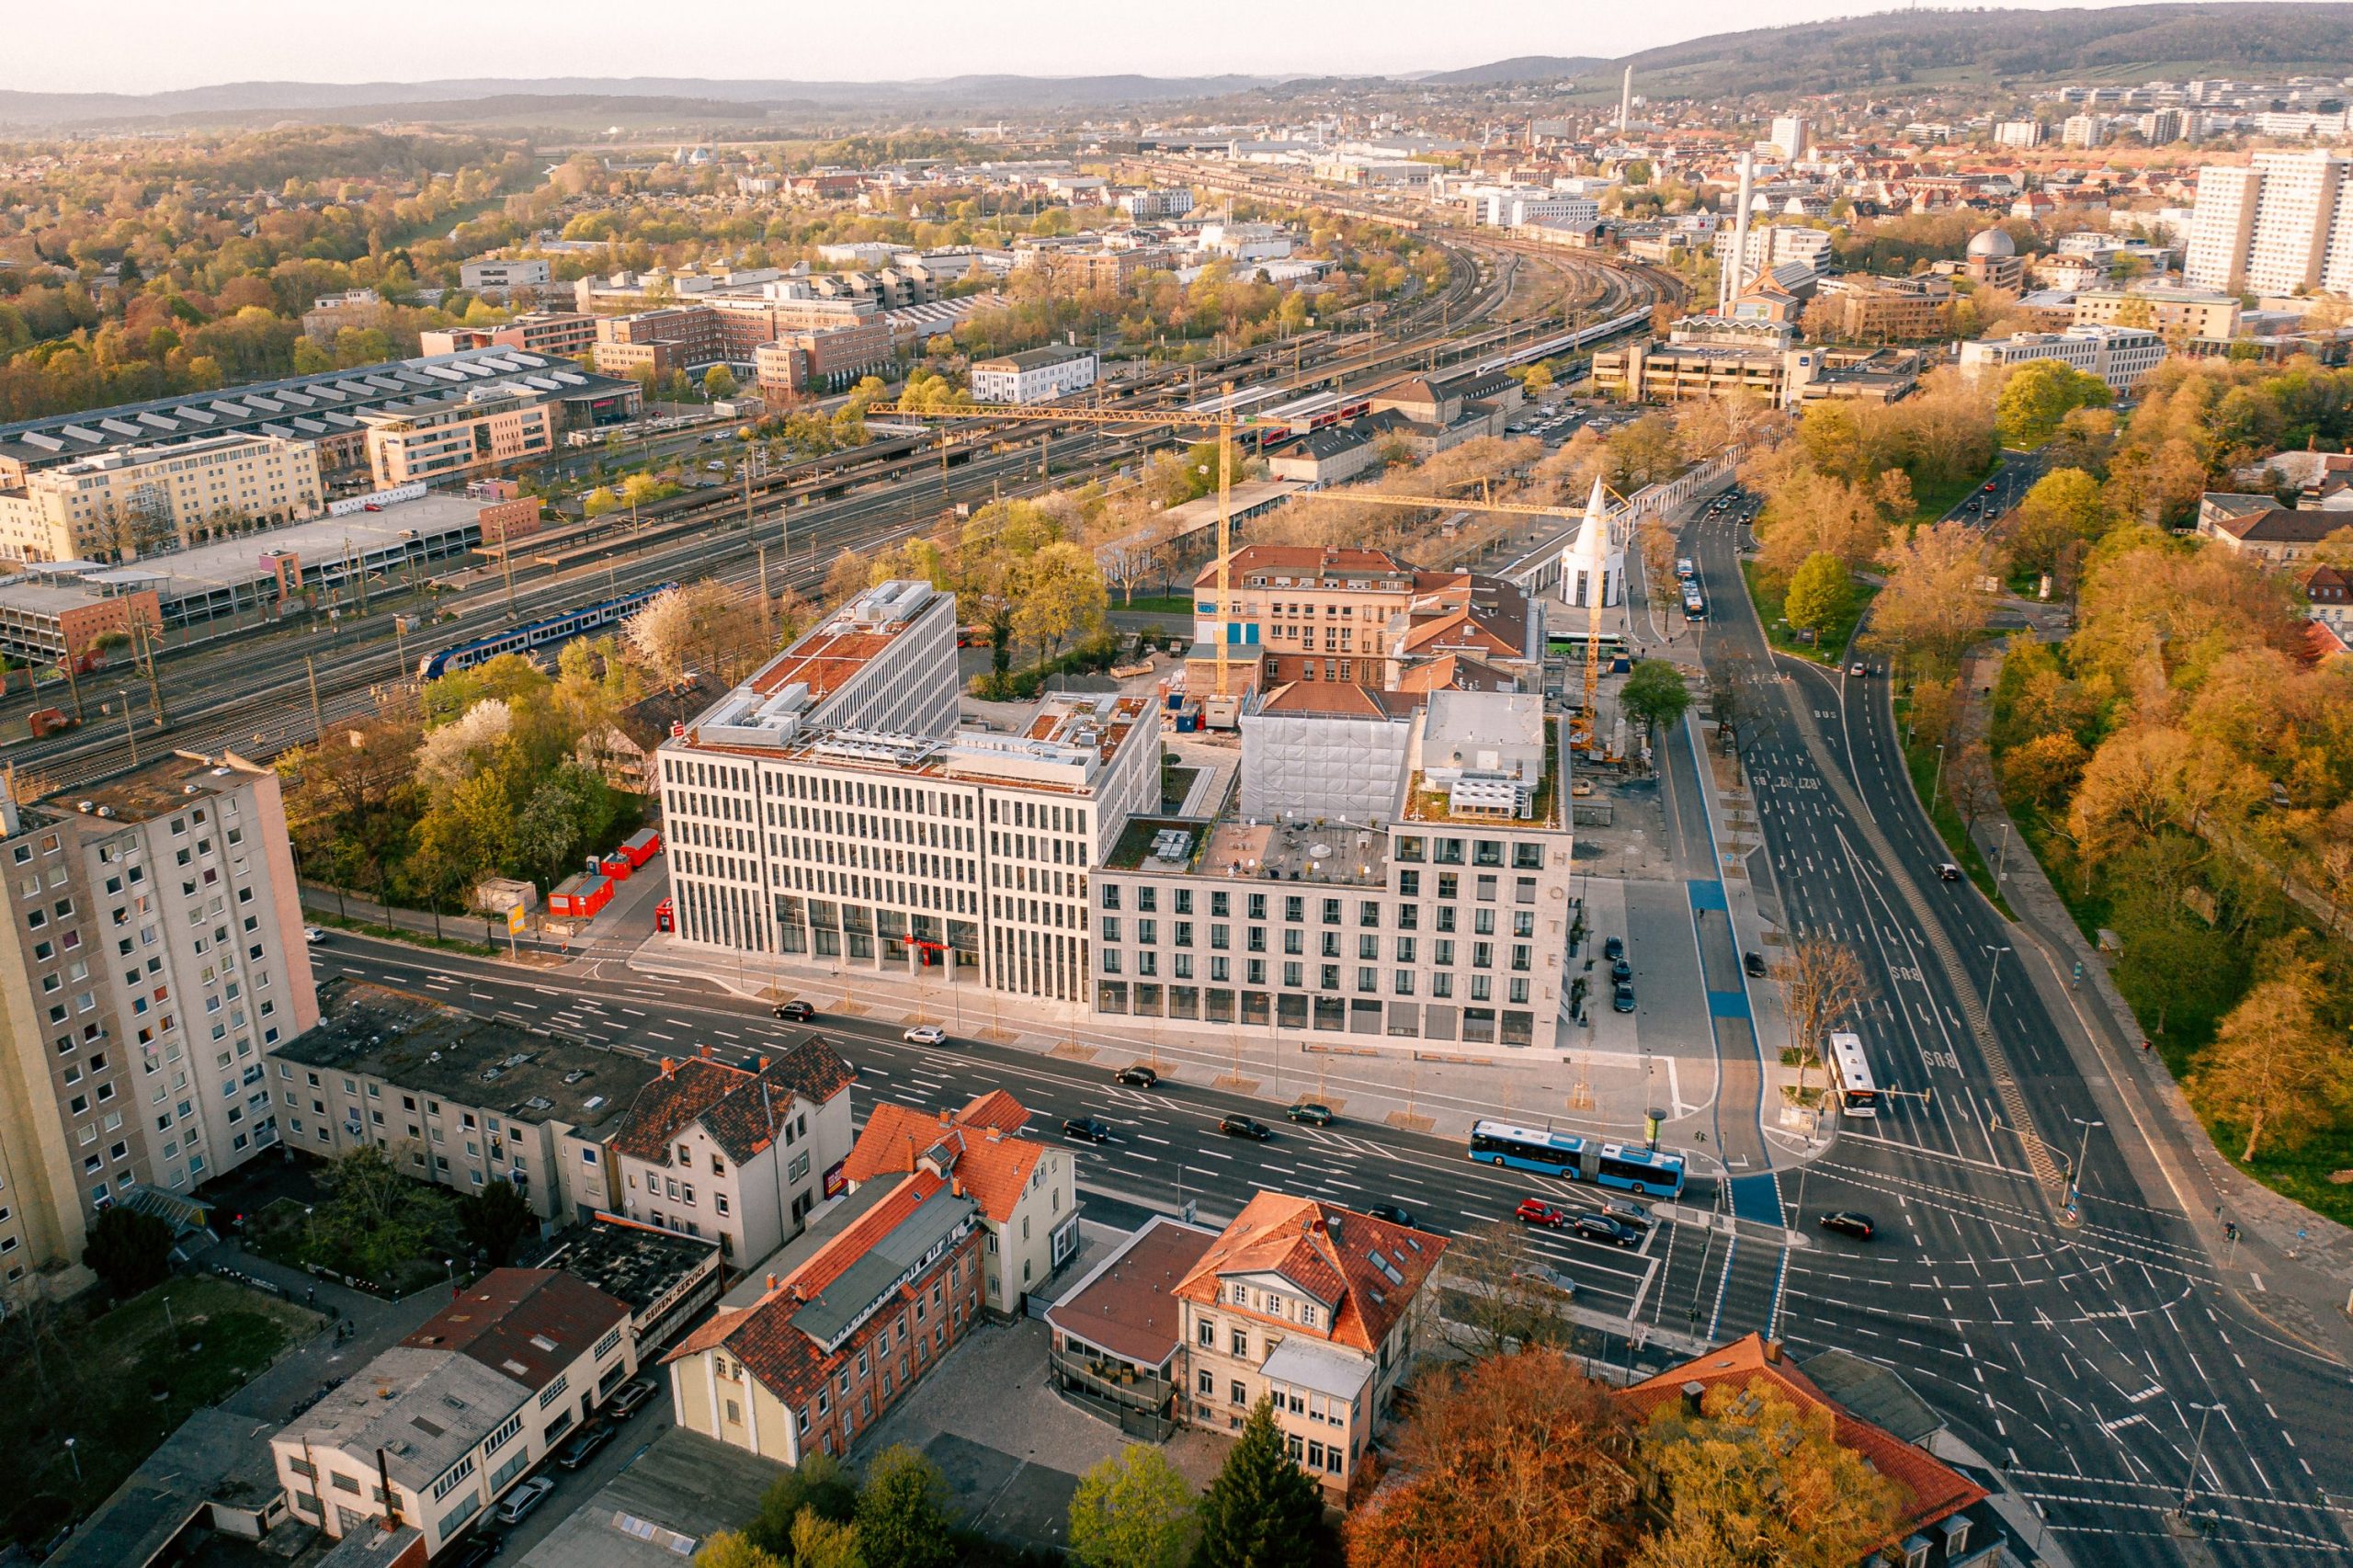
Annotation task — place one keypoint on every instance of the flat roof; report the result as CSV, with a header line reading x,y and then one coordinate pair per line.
x,y
420,1411
680,1490
435,1049
637,1265
172,783
213,1455
1128,1307
1300,1362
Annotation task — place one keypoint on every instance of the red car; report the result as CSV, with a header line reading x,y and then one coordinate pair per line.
x,y
1536,1211
1989,487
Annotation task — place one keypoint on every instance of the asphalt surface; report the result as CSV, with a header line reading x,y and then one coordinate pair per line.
x,y
2081,1358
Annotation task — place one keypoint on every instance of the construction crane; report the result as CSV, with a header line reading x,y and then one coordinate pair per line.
x,y
1223,418
1582,731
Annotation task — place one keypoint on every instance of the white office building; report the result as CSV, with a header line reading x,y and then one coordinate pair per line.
x,y
2121,355
1034,375
497,274
2284,223
1769,246
1793,136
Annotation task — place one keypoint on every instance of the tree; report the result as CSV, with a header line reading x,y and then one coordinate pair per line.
x,y
2045,770
1132,1510
1822,981
2038,395
729,1549
496,1222
1754,1482
1655,693
816,1487
2274,1069
1969,784
130,1249
1516,1461
1819,595
568,814
1262,1511
1505,1294
1935,600
819,1542
902,1512
1658,546
1060,594
2066,505
718,382
708,625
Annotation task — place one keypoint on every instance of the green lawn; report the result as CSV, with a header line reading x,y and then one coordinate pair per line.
x,y
1920,759
1157,604
1827,646
119,1382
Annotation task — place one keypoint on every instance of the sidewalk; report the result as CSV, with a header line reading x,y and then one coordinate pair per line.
x,y
344,905
2301,1286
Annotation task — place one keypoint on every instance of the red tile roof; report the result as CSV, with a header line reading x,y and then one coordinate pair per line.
x,y
1293,1237
728,1101
993,1168
502,1319
1931,1489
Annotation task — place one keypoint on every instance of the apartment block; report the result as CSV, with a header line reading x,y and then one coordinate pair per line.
x,y
120,504
497,275
1439,914
477,431
739,1154
1865,308
817,361
440,1427
885,1285
2121,355
2174,314
2280,225
1025,1191
1791,135
1315,1307
154,956
1034,375
456,1099
1766,246
566,335
2019,133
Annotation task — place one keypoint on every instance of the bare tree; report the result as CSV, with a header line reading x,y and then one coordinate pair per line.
x,y
1969,784
1734,704
1821,982
1507,1297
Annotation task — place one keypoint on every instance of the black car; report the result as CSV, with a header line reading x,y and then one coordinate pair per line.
x,y
475,1552
796,1010
1603,1228
1245,1127
1849,1223
1614,947
1626,1211
1086,1126
1311,1113
1138,1077
583,1449
1391,1212
1622,998
1753,964
1621,970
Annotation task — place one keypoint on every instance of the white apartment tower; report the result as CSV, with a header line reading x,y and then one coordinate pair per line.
x,y
2283,225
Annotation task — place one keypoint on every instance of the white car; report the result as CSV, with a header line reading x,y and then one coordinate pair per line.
x,y
522,1500
313,934
924,1034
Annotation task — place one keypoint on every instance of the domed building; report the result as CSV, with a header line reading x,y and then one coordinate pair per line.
x,y
1993,259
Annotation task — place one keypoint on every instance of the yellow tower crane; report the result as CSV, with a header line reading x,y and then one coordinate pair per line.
x,y
1580,729
1222,419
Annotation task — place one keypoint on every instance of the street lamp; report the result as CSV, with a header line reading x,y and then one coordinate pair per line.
x,y
1938,783
1993,975
2076,1171
2197,1457
77,1468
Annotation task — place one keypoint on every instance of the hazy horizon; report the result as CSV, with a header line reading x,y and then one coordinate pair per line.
x,y
150,46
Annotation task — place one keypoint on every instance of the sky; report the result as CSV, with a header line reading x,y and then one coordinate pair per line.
x,y
139,45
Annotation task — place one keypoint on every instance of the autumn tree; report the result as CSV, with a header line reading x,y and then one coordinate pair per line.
x,y
2064,507
1132,1510
1935,600
2044,771
2039,394
1823,983
1820,593
1504,1295
1756,1480
1514,1461
1061,595
1659,552
2275,1069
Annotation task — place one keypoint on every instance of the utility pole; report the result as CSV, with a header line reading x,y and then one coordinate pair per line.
x,y
506,567
147,660
318,725
72,684
747,495
766,607
130,730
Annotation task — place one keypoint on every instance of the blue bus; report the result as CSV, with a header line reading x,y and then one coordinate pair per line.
x,y
559,628
1628,1167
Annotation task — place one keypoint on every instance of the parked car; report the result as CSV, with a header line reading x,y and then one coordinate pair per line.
x,y
1606,1228
1311,1113
627,1398
1613,947
1087,1128
1137,1077
1536,1211
474,1550
1621,970
1245,1127
1621,997
1391,1213
1627,1211
796,1010
1849,1223
522,1500
583,1449
1948,871
1535,1274
1753,964
924,1034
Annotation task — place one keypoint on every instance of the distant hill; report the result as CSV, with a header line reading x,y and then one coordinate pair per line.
x,y
1521,68
1894,47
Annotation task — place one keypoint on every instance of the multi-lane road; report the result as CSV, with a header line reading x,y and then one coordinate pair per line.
x,y
2083,1359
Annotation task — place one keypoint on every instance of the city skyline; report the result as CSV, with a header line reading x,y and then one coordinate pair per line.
x,y
274,40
